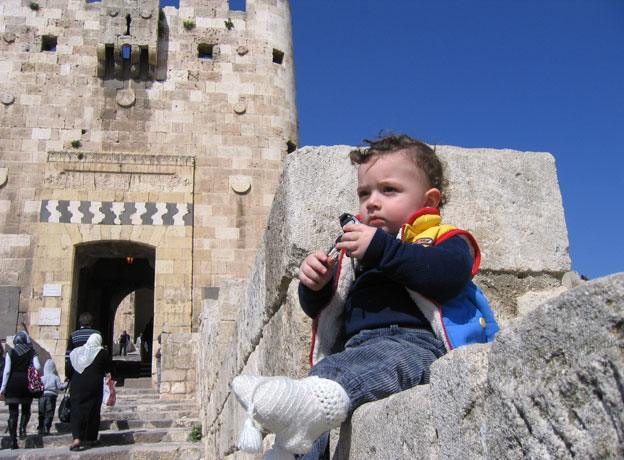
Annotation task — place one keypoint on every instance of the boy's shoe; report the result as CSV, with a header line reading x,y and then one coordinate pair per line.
x,y
297,411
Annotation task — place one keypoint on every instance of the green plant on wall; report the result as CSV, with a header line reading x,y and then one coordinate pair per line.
x,y
229,25
188,24
76,144
34,6
196,434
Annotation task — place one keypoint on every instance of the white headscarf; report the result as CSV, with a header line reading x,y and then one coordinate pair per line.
x,y
83,356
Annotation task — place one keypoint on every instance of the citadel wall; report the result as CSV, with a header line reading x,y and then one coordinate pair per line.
x,y
121,126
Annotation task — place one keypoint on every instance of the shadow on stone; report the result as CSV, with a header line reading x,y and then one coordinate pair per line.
x,y
33,442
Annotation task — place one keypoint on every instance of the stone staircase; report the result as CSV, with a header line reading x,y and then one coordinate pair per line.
x,y
139,426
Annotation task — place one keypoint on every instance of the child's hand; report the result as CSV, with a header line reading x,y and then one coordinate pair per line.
x,y
356,239
316,270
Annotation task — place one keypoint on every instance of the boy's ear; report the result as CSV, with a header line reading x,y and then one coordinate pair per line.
x,y
432,198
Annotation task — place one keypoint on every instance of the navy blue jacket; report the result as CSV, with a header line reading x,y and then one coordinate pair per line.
x,y
378,297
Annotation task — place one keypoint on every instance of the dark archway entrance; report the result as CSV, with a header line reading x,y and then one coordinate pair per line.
x,y
105,273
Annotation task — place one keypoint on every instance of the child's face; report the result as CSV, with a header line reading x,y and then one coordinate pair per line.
x,y
391,188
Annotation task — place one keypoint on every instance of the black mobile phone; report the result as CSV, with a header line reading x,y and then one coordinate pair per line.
x,y
345,219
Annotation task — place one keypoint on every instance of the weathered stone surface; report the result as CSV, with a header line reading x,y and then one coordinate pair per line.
x,y
458,392
511,202
550,386
179,355
533,299
520,227
398,427
505,290
555,378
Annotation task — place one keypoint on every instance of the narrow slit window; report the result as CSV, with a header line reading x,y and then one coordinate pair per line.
x,y
126,52
109,60
278,56
205,51
128,22
237,5
144,63
48,43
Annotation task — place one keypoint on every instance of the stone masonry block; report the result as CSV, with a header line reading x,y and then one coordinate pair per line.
x,y
458,393
524,220
41,133
173,375
555,378
396,427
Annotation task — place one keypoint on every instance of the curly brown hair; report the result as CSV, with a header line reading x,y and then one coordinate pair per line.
x,y
420,153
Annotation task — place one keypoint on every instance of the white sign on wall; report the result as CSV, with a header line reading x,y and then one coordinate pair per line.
x,y
52,290
50,317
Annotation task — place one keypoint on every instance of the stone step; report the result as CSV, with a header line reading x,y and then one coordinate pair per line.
x,y
131,405
107,424
135,389
108,438
139,426
162,408
150,415
138,383
163,450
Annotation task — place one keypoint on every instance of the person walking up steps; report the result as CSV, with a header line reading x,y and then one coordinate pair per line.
x,y
90,364
47,403
14,389
78,338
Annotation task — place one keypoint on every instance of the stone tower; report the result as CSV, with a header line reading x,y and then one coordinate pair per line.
x,y
140,149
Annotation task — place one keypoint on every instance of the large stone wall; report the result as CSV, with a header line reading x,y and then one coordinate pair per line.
x,y
509,200
182,156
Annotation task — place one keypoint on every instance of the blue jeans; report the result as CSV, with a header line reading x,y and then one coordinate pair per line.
x,y
377,363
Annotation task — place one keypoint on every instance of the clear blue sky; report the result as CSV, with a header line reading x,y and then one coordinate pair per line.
x,y
540,75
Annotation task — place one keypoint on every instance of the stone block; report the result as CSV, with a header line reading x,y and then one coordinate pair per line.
x,y
397,427
458,393
178,388
41,133
528,211
9,306
555,378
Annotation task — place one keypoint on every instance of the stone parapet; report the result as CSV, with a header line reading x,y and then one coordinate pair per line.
x,y
178,365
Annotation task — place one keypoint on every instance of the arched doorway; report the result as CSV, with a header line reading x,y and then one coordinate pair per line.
x,y
106,273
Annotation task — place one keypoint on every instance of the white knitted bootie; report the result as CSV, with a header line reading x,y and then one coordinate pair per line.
x,y
297,411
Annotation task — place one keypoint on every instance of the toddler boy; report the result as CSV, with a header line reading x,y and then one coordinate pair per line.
x,y
47,402
408,301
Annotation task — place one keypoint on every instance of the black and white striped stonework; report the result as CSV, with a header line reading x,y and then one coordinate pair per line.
x,y
115,213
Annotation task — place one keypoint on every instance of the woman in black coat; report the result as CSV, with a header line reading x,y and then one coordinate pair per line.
x,y
90,363
14,388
